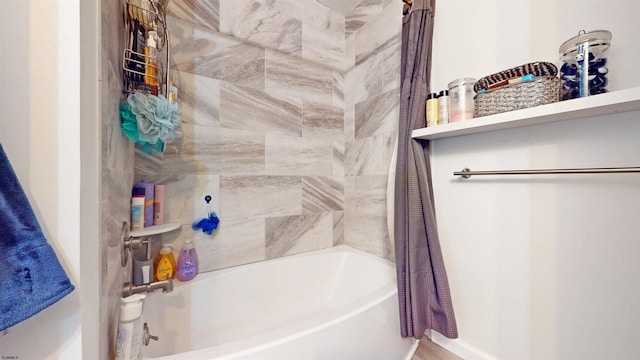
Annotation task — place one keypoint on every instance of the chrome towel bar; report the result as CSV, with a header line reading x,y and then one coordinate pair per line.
x,y
466,173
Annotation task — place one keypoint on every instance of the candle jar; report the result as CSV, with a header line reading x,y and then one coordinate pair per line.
x,y
584,69
461,103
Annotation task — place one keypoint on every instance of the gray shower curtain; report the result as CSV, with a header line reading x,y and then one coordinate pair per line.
x,y
423,288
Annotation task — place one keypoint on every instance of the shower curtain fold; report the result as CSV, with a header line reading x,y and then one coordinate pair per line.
x,y
423,288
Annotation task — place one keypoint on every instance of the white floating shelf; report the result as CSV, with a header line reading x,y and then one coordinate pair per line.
x,y
155,230
603,104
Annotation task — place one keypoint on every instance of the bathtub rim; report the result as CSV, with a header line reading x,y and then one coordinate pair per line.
x,y
241,267
300,329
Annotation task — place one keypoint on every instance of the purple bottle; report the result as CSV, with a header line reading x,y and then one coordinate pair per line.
x,y
148,201
187,266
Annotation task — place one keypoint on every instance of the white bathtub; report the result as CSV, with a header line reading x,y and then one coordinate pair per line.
x,y
337,303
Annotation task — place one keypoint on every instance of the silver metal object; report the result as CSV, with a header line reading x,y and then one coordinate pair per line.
x,y
146,336
125,251
152,14
130,289
129,243
466,173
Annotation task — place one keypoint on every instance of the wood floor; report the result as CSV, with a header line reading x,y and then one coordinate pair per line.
x,y
428,350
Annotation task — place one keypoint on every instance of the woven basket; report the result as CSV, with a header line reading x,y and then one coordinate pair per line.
x,y
538,68
538,91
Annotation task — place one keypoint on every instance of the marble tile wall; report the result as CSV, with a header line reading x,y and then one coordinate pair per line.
x,y
117,177
288,121
372,107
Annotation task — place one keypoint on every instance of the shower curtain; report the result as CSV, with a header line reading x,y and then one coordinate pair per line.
x,y
423,288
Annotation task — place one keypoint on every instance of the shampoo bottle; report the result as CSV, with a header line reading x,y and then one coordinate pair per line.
x,y
432,109
129,338
137,209
443,107
165,266
148,200
151,68
187,262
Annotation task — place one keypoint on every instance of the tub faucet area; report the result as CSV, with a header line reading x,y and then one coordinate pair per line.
x,y
135,240
130,289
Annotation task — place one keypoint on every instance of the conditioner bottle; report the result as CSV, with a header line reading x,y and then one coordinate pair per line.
x,y
432,109
187,262
151,68
130,329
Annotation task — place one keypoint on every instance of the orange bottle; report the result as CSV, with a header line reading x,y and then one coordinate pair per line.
x,y
165,264
151,67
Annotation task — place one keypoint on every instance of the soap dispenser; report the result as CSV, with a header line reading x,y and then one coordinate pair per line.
x,y
165,266
187,262
130,329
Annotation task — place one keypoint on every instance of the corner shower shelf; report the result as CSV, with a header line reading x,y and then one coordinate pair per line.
x,y
134,239
603,104
155,230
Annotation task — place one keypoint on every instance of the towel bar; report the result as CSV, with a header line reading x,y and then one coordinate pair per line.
x,y
466,173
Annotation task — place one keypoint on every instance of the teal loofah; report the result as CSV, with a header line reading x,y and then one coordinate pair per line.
x,y
129,125
157,118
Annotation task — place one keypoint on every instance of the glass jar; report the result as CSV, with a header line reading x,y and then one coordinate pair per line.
x,y
461,104
584,64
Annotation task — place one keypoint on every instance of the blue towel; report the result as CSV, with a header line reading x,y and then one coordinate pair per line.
x,y
31,277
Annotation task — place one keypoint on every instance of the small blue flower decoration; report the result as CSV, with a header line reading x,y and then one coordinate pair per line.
x,y
208,224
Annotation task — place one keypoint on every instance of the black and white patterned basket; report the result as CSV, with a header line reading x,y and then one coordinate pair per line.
x,y
537,91
538,68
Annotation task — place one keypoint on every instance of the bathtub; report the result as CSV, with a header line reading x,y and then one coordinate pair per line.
x,y
337,303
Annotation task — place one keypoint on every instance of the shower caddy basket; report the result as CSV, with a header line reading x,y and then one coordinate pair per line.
x,y
151,14
494,98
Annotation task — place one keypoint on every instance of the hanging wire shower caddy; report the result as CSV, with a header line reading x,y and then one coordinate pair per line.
x,y
151,16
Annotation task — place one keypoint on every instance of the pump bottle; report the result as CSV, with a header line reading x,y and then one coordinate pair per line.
x,y
151,68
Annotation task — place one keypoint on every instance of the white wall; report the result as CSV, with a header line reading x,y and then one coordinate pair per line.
x,y
475,38
39,130
540,267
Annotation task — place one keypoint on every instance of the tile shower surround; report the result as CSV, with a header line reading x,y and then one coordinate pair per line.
x,y
117,169
289,115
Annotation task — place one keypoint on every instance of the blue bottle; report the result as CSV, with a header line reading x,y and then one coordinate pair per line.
x,y
187,266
